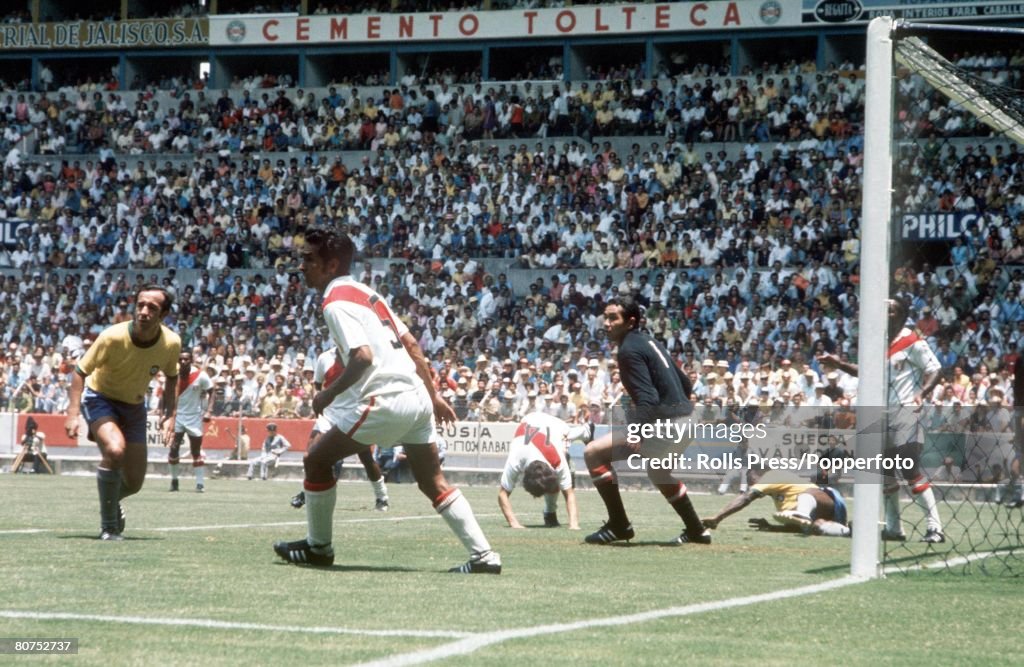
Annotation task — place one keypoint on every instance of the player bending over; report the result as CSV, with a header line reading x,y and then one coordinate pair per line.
x,y
539,455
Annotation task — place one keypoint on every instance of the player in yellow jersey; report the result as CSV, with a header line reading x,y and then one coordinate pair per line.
x,y
109,387
799,506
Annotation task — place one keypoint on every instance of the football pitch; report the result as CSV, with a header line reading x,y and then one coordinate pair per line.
x,y
196,583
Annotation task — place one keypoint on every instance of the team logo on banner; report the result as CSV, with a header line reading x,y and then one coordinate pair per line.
x,y
235,31
771,12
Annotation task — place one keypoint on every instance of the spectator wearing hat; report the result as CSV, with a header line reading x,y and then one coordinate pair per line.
x,y
274,445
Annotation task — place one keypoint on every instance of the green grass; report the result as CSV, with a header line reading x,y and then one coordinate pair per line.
x,y
390,575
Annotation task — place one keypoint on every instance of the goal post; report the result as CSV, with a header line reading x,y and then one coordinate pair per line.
x,y
876,211
942,229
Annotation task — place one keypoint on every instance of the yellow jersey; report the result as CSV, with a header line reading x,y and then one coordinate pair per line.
x,y
121,370
782,487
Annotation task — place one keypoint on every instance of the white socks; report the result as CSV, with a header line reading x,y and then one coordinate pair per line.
x,y
380,489
459,516
320,517
926,499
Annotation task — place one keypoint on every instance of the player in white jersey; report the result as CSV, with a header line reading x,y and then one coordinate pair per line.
x,y
913,374
194,408
384,396
328,367
539,454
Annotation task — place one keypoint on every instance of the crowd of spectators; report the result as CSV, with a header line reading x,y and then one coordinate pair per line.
x,y
748,260
257,114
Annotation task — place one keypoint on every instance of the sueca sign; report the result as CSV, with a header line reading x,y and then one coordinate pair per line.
x,y
262,30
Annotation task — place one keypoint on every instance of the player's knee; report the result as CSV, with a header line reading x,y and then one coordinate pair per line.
x,y
113,454
131,484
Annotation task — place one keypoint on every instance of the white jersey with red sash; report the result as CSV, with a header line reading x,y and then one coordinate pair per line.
x,y
190,398
329,367
541,437
910,358
357,316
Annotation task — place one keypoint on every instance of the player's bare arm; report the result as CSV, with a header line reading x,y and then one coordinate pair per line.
x,y
834,362
928,383
169,408
572,508
505,504
735,505
442,411
74,403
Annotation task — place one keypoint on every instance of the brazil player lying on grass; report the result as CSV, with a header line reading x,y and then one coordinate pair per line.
x,y
800,507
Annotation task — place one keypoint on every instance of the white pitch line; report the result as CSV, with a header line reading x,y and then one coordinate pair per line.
x,y
24,531
228,625
939,564
477,641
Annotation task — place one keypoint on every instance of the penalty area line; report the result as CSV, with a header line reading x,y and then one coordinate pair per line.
x,y
207,623
478,641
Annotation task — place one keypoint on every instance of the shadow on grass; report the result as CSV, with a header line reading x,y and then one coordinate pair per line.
x,y
356,568
829,569
641,543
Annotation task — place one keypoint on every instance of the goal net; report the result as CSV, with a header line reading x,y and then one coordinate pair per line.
x,y
942,316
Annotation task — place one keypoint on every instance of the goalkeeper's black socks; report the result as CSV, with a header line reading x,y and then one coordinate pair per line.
x,y
607,485
679,499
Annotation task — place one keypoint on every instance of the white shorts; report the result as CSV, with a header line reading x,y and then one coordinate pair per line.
x,y
194,427
385,421
322,425
905,427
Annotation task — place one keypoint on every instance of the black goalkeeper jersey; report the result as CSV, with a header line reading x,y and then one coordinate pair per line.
x,y
657,388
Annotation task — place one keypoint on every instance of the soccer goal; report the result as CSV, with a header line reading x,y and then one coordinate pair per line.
x,y
942,236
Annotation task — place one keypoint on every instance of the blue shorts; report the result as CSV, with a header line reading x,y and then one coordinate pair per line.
x,y
839,511
130,418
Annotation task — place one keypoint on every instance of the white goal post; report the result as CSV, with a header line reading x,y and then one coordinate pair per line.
x,y
876,211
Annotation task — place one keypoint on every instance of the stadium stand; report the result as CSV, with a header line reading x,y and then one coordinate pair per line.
x,y
497,216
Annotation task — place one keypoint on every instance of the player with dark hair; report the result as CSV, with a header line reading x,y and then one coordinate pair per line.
x,y
658,390
539,454
800,507
194,387
328,367
109,387
913,373
384,396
